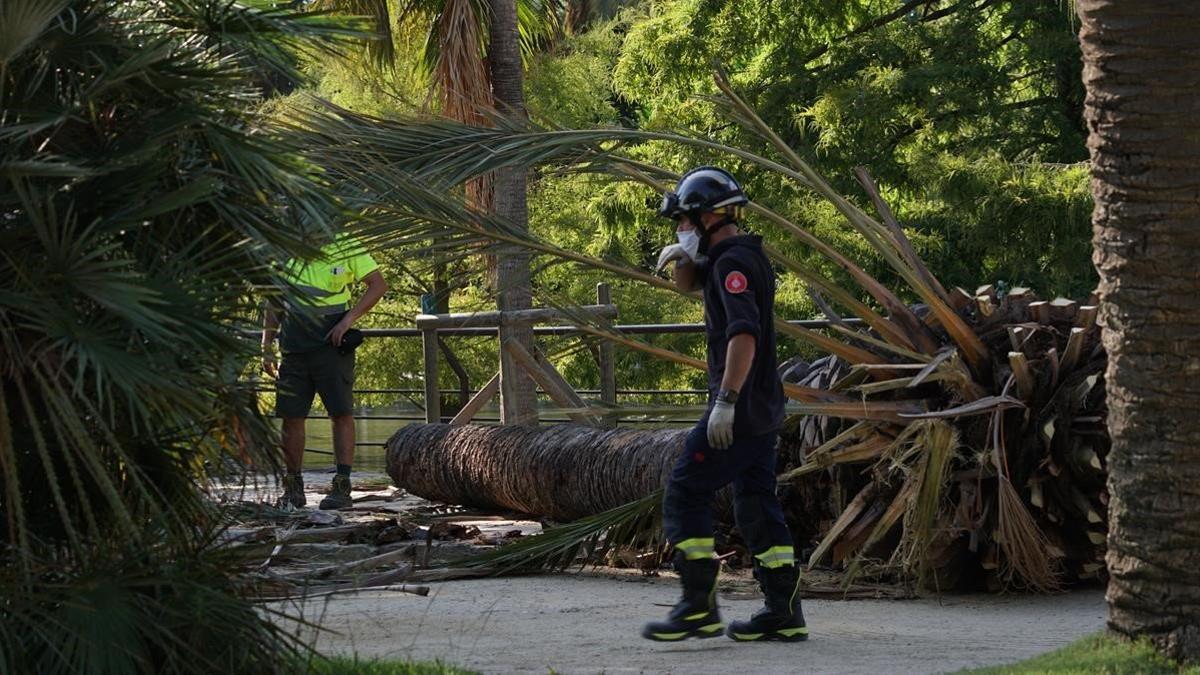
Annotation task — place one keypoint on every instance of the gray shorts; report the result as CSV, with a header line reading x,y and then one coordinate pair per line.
x,y
324,372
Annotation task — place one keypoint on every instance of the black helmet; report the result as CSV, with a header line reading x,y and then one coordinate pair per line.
x,y
705,188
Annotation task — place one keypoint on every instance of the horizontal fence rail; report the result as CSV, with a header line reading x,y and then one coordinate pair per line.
x,y
608,395
629,328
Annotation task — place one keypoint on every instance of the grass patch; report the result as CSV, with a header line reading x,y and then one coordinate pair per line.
x,y
1099,653
345,665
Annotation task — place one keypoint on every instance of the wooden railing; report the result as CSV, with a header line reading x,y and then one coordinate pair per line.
x,y
433,329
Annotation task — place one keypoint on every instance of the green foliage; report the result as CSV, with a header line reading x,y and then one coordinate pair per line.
x,y
570,85
140,214
925,98
967,113
142,206
137,607
1099,653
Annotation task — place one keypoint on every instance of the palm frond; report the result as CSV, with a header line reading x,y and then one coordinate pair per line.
x,y
378,19
636,524
21,22
136,237
442,152
880,239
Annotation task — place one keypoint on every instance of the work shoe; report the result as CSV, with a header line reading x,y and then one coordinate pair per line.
x,y
696,613
293,492
781,618
339,495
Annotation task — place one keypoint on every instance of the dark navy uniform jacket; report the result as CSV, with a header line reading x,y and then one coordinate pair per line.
x,y
739,297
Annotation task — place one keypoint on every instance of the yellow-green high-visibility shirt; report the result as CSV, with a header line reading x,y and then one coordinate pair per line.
x,y
321,293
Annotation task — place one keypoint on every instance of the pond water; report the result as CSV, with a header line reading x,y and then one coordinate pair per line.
x,y
319,442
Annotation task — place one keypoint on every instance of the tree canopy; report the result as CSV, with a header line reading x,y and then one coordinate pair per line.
x,y
967,113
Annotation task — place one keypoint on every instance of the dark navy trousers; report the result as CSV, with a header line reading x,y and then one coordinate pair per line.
x,y
749,463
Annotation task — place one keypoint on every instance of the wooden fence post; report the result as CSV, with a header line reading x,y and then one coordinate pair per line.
x,y
518,392
608,364
433,402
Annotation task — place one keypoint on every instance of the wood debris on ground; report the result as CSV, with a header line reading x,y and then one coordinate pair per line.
x,y
388,541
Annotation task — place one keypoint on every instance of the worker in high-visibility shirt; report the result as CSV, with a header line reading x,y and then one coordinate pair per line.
x,y
734,442
317,359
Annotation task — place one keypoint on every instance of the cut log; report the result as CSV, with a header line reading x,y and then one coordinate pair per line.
x,y
1086,318
1063,310
1039,311
984,304
1017,337
1074,350
1016,303
1022,374
960,299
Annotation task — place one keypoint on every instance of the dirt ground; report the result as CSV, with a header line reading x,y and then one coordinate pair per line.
x,y
589,622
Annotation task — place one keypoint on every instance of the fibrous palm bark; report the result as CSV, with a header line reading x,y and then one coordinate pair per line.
x,y
1142,72
518,401
562,472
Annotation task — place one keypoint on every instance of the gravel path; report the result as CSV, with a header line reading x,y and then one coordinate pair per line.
x,y
589,623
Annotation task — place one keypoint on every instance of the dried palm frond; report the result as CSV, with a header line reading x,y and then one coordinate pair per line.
x,y
1027,558
940,447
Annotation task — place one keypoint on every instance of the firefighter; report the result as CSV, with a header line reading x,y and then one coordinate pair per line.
x,y
735,440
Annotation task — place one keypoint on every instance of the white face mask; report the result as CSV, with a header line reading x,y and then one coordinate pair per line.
x,y
690,241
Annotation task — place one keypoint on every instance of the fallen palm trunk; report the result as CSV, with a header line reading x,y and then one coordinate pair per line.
x,y
561,473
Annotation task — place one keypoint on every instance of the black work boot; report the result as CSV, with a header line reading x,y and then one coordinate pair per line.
x,y
781,618
339,495
293,492
696,613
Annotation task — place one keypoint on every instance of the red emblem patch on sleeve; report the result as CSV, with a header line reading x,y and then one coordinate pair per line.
x,y
735,282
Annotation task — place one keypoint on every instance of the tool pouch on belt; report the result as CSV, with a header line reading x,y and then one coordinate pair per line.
x,y
350,341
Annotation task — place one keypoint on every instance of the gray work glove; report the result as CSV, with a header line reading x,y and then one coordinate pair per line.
x,y
720,425
669,253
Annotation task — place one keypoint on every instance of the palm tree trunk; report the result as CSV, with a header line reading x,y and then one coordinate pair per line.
x,y
518,401
1142,72
561,472
465,85
578,14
